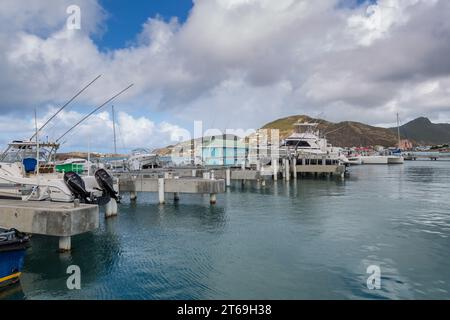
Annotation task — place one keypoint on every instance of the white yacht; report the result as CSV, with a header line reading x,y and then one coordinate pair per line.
x,y
23,176
143,159
28,172
306,141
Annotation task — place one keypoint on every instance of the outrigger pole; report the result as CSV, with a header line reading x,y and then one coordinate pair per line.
x,y
94,111
64,106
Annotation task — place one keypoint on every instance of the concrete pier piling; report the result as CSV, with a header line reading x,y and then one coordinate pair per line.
x,y
111,209
294,168
176,196
212,198
275,169
228,177
65,244
287,173
161,191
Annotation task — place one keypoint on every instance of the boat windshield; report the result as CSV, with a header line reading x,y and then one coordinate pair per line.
x,y
17,151
297,143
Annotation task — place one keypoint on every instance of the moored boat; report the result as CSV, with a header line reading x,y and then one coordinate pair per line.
x,y
13,245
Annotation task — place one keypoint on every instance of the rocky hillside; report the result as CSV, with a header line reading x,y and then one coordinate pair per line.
x,y
424,132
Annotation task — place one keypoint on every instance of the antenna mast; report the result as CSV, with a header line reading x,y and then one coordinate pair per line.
x,y
398,131
94,111
114,130
64,106
37,142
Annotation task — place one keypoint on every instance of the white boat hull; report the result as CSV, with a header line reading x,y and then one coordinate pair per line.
x,y
374,159
43,187
354,161
395,160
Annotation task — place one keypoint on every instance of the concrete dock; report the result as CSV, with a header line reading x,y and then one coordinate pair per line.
x,y
176,185
62,220
433,156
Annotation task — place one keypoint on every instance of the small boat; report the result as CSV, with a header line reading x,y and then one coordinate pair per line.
x,y
13,245
143,159
353,160
374,159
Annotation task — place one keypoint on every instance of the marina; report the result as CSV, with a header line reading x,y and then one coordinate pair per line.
x,y
306,239
225,154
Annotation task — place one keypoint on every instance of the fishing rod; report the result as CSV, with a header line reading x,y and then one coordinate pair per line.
x,y
94,111
64,106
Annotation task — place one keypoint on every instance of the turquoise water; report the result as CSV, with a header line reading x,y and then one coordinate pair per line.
x,y
309,239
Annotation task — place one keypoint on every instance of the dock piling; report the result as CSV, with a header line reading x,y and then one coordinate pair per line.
x,y
275,169
228,177
212,198
65,244
294,168
111,208
287,173
161,190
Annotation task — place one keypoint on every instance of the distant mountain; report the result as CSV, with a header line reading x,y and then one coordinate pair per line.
x,y
424,132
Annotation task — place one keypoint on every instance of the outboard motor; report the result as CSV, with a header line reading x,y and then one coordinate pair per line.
x,y
106,183
77,186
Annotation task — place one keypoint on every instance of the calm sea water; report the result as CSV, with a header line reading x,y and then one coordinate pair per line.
x,y
303,240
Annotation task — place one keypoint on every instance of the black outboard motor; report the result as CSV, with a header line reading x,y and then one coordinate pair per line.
x,y
106,183
77,186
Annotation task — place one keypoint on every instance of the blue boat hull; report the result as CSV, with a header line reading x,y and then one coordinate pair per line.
x,y
13,245
11,264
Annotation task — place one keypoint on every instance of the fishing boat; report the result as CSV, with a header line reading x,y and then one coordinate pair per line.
x,y
143,159
27,173
28,170
13,245
23,176
306,141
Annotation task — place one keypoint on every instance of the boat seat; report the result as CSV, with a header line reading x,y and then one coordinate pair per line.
x,y
29,165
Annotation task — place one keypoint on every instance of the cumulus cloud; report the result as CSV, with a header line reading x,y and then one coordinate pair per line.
x,y
234,63
96,132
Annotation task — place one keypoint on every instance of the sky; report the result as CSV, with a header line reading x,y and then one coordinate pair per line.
x,y
232,64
